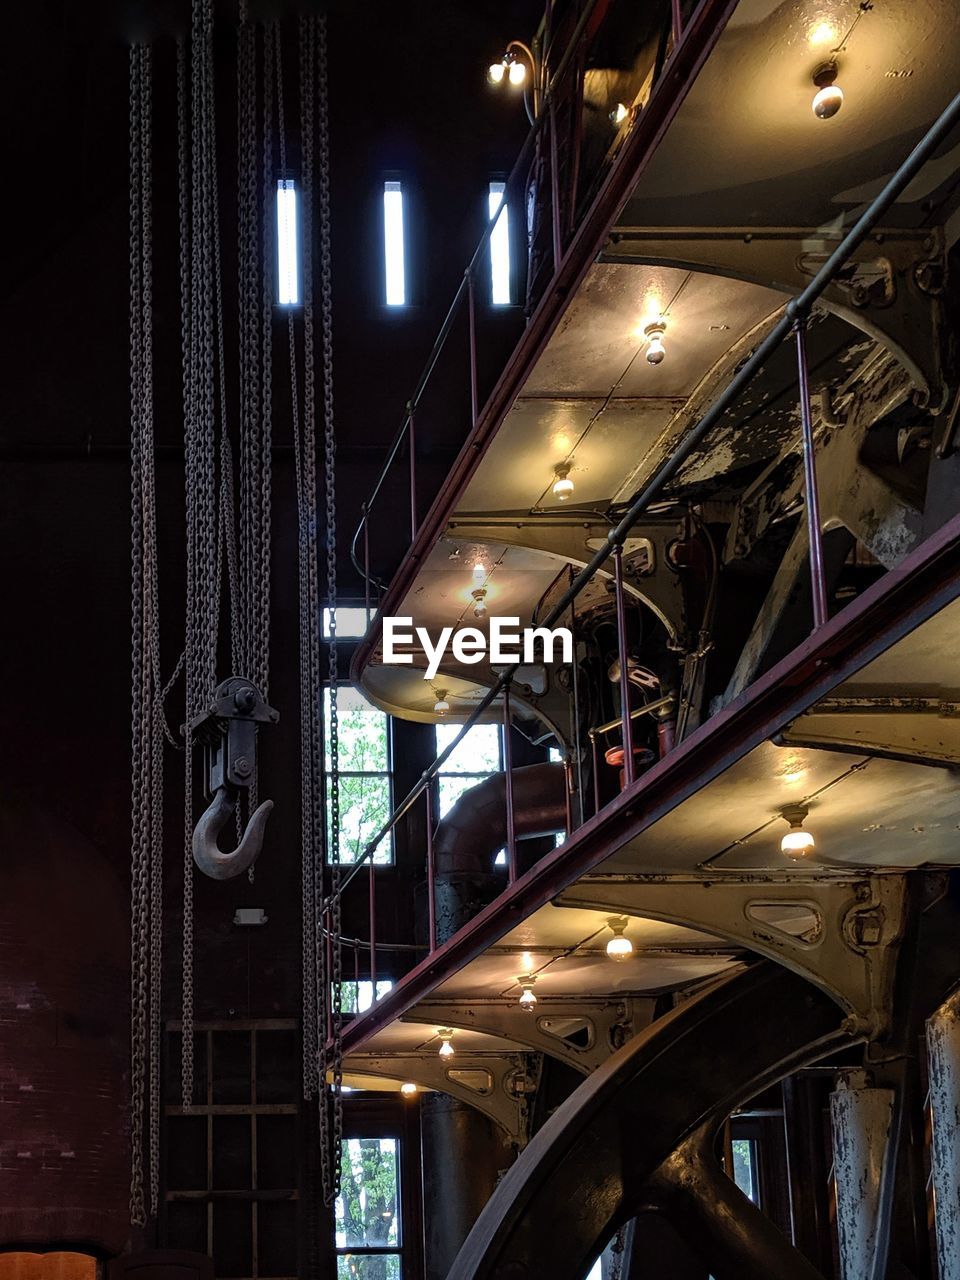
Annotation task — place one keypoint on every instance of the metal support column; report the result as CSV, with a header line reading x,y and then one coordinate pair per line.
x,y
412,442
431,872
627,722
373,930
472,317
862,1119
943,1055
508,789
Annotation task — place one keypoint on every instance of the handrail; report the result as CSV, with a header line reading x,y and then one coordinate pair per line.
x,y
796,312
540,122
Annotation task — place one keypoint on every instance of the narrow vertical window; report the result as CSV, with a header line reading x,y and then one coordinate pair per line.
x,y
499,246
288,264
396,285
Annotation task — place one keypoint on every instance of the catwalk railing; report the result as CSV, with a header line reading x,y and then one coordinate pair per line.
x,y
791,325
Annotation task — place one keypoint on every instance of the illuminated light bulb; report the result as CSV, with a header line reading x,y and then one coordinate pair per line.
x,y
797,843
408,1088
446,1048
828,99
619,114
496,71
619,947
528,1000
479,570
563,485
441,706
518,72
479,608
823,33
655,348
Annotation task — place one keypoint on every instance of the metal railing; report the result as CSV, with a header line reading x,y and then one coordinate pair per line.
x,y
556,205
792,322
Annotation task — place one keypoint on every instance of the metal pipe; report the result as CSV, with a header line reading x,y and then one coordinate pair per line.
x,y
676,21
666,735
413,471
626,720
366,563
943,1056
648,709
555,188
596,776
668,469
568,792
431,872
508,789
818,584
472,314
373,929
862,1121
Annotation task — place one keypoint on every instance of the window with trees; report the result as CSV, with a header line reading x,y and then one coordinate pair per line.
x,y
365,773
478,756
368,1232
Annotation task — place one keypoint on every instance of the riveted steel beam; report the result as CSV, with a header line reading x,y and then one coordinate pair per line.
x,y
841,933
609,1024
499,1085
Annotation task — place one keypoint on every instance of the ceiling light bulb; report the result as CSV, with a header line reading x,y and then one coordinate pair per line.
x,y
408,1088
828,99
527,999
441,706
518,72
619,947
479,608
619,114
446,1048
797,842
655,348
563,485
496,71
479,569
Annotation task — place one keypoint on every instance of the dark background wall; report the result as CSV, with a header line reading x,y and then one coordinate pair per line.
x,y
407,96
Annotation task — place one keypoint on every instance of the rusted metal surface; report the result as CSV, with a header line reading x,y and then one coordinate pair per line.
x,y
862,1121
600,1152
943,1050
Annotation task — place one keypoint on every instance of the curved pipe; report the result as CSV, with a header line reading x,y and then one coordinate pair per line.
x,y
211,860
467,839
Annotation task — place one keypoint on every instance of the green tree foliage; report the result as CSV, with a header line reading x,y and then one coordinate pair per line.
x,y
367,1208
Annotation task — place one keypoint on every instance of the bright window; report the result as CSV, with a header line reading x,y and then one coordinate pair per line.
x,y
499,245
357,997
365,773
368,1210
745,1171
478,756
352,622
393,245
288,253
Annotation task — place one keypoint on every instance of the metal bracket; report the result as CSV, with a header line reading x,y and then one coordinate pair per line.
x,y
841,933
499,1085
609,1023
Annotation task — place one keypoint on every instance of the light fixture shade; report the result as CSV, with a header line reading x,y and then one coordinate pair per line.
x,y
446,1049
827,101
619,114
441,706
528,1000
479,609
495,72
408,1088
562,488
797,841
518,72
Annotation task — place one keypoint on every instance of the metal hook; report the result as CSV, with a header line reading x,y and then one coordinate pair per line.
x,y
211,860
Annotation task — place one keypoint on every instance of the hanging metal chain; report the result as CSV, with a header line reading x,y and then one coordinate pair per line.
x,y
335,984
147,716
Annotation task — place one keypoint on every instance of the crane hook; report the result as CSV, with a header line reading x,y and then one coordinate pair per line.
x,y
227,729
211,859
